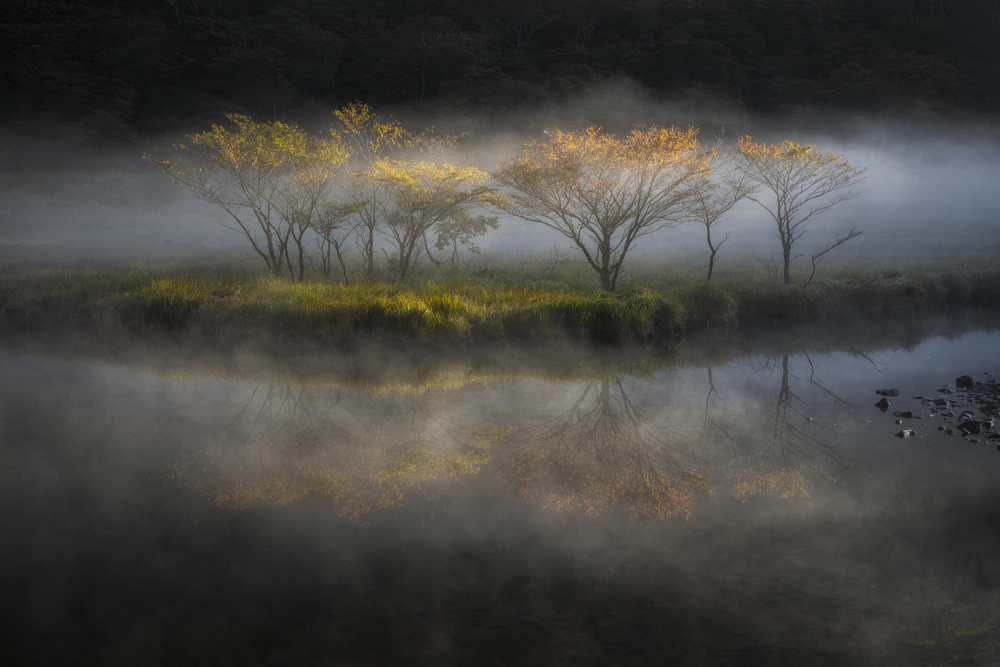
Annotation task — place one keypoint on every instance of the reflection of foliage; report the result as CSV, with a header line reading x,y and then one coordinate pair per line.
x,y
779,458
605,454
964,636
370,451
361,464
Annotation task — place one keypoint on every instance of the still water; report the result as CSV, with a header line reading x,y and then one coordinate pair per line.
x,y
746,505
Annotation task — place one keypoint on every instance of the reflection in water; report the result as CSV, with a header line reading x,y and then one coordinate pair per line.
x,y
467,562
361,451
778,457
367,451
605,453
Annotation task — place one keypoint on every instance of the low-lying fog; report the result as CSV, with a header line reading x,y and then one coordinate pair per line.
x,y
930,188
166,505
757,511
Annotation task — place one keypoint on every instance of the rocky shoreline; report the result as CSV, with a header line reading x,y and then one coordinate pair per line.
x,y
969,408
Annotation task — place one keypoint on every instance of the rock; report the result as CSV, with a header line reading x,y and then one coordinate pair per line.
x,y
907,433
942,402
906,414
949,431
883,405
945,390
964,382
971,427
898,422
974,441
968,414
887,392
940,428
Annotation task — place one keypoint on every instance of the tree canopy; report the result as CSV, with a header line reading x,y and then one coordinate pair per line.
x,y
796,183
605,193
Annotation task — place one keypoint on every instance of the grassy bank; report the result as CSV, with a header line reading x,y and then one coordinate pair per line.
x,y
238,303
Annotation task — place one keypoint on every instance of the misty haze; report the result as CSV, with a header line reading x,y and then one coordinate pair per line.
x,y
504,333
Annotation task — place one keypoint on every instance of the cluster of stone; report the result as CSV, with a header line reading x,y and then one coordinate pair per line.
x,y
969,408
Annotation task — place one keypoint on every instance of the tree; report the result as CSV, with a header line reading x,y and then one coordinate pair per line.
x,y
306,203
605,193
800,183
269,178
462,229
719,189
425,195
366,194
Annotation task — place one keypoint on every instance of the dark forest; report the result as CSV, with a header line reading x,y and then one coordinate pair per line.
x,y
124,68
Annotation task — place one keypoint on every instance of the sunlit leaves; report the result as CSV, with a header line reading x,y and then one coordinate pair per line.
x,y
271,179
799,182
603,192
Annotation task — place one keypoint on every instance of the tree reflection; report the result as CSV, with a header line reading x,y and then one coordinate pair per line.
x,y
778,457
361,451
599,454
605,454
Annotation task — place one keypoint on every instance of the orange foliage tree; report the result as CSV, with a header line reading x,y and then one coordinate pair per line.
x,y
605,193
800,183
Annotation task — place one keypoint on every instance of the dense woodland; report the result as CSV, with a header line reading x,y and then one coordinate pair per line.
x,y
121,68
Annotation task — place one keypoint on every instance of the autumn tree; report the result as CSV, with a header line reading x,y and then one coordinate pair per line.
x,y
797,183
604,193
366,194
425,195
462,229
398,188
717,190
269,178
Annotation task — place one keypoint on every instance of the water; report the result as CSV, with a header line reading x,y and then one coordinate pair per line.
x,y
745,505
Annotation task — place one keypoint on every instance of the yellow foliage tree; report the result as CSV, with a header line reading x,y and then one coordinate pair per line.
x,y
269,178
366,195
605,193
800,183
425,195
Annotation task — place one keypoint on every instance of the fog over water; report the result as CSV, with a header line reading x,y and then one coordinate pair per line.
x,y
158,509
725,499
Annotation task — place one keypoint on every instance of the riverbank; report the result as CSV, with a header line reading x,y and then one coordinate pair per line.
x,y
230,304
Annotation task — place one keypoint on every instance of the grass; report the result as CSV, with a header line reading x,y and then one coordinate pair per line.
x,y
522,297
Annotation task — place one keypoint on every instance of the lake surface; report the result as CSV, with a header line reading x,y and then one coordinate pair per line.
x,y
579,506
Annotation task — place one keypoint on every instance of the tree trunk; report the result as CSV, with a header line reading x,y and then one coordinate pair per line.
x,y
427,248
787,254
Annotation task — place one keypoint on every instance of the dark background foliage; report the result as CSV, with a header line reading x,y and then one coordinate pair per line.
x,y
119,68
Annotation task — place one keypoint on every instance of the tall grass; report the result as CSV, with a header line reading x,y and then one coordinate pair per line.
x,y
529,298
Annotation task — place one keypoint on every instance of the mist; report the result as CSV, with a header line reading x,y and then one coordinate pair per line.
x,y
720,492
928,192
167,510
